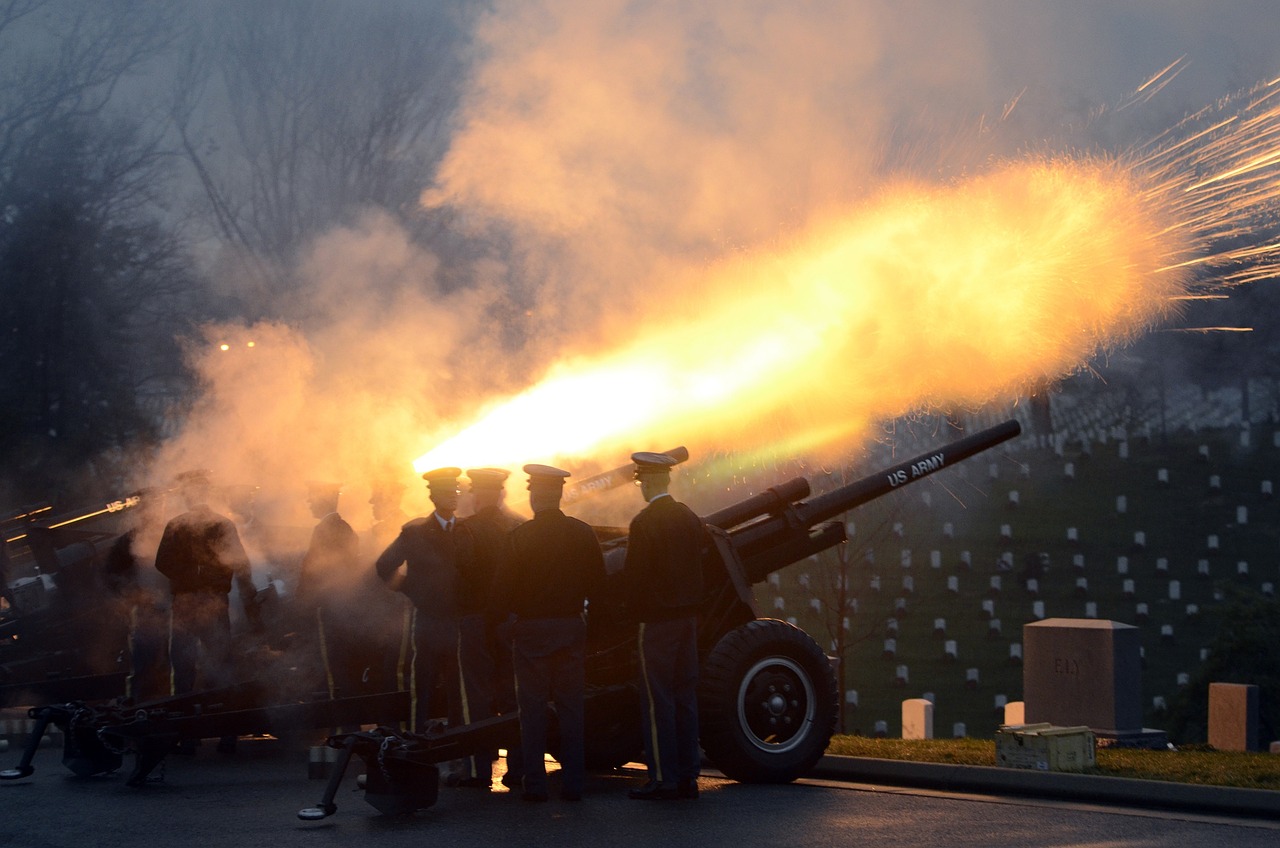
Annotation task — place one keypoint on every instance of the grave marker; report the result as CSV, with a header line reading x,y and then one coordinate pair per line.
x,y
1233,717
917,719
1086,672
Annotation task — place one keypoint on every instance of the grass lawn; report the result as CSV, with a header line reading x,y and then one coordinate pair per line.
x,y
1197,764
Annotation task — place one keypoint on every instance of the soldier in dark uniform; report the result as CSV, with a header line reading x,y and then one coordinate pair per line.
x,y
663,573
329,569
388,614
142,601
552,566
482,655
201,554
433,551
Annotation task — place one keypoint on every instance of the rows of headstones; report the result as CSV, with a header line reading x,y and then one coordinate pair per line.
x,y
1151,593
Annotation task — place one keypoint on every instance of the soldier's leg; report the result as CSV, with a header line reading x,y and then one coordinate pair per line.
x,y
686,701
531,694
475,665
657,697
569,690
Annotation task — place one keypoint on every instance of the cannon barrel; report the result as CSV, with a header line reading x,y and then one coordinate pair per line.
x,y
772,542
613,478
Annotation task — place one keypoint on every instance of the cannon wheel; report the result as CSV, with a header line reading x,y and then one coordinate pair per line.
x,y
767,702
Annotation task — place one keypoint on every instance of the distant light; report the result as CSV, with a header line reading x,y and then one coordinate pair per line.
x,y
224,346
250,344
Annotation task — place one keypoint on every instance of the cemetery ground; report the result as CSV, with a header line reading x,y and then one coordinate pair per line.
x,y
929,597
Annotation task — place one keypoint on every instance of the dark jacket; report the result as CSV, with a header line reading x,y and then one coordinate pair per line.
x,y
331,562
553,564
489,529
433,560
663,569
200,551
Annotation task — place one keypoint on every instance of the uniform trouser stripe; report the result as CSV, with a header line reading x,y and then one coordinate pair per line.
x,y
413,674
324,653
472,771
173,686
653,713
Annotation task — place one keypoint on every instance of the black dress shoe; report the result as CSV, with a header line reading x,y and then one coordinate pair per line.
x,y
688,790
535,797
512,781
654,792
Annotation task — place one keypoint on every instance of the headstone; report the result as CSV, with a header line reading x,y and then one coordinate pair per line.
x,y
815,604
1037,610
1162,475
1266,489
1193,610
1091,609
1001,701
1033,586
939,626
1215,483
1203,450
989,607
1069,471
1175,590
1242,567
949,650
1162,565
851,697
917,719
1142,611
899,607
958,730
1123,450
804,579
1269,590
844,623
869,556
993,628
874,583
890,649
1127,589
1184,679
971,678
993,471
905,558
1140,540
1015,653
1233,716
1122,504
891,626
908,584
935,559
901,676
1013,498
1086,672
1006,531
948,531
882,729
995,584
1077,562
1202,567
793,621
775,579
1122,565
1204,654
898,529
966,560
1072,535
1242,515
1015,712
953,584
1212,542
1166,632
1082,586
779,603
1244,437
926,497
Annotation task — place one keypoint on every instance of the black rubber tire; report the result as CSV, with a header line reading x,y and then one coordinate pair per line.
x,y
767,702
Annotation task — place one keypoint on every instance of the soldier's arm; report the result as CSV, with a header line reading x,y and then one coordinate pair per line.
x,y
390,560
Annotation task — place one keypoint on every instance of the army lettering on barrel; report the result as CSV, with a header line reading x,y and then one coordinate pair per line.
x,y
917,469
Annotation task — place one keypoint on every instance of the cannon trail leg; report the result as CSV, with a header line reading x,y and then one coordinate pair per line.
x,y
326,807
25,769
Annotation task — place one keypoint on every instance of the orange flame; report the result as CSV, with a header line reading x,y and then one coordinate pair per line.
x,y
924,298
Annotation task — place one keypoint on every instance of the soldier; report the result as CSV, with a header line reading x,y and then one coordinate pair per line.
x,y
433,551
488,682
663,573
142,601
388,614
200,553
552,566
329,569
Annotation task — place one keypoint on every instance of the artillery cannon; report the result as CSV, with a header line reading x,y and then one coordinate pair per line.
x,y
767,694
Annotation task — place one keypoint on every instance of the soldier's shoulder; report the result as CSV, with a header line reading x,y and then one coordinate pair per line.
x,y
420,521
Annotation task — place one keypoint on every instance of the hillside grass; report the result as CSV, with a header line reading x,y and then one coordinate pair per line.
x,y
1195,764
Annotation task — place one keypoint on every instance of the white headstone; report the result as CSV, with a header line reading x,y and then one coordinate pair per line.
x,y
1091,609
1033,585
1242,567
926,497
1193,610
899,606
1204,654
891,625
1077,561
1242,515
1072,535
804,579
966,559
948,530
935,559
1037,610
1139,539
882,729
844,623
815,604
989,607
1015,651
1069,470
939,626
1001,701
1158,703
1082,585
851,697
1162,565
905,558
793,621
1141,610
1175,590
993,627
874,583
1162,475
993,471
1184,679
901,674
953,584
898,529
1123,450
1166,631
1202,567
1215,483
1127,588
908,584
779,603
958,730
775,579
1122,565
917,719
995,583
1013,497
949,649
1266,489
1269,589
971,675
1122,503
890,647
1204,451
1006,531
1244,437
1015,712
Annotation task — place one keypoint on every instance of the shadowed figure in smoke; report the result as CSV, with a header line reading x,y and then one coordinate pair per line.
x,y
433,551
326,580
387,616
663,572
487,677
552,565
201,554
129,576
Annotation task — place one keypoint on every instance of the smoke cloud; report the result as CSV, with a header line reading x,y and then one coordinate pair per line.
x,y
617,151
